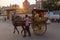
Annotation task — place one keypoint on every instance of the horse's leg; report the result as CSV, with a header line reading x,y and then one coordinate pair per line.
x,y
22,29
15,28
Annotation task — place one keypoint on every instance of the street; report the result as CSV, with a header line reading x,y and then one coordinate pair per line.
x,y
6,32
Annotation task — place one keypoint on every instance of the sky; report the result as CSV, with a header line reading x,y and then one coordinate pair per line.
x,y
19,2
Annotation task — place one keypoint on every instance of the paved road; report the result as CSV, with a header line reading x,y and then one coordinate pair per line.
x,y
6,32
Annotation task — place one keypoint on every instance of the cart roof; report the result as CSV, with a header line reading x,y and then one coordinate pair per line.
x,y
39,10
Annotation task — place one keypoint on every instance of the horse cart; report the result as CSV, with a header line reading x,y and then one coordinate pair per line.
x,y
38,22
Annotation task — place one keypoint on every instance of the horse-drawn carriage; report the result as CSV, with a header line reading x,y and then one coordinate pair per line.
x,y
38,22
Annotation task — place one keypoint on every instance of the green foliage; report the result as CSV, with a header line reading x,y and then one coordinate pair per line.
x,y
51,5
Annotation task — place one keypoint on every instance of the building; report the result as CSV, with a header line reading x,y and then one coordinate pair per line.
x,y
32,6
27,8
39,4
7,11
26,4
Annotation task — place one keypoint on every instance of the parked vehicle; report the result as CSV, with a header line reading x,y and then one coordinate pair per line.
x,y
53,16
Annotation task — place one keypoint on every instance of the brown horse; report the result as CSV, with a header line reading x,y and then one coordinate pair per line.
x,y
18,21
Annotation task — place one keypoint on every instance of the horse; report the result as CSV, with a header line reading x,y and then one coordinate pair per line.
x,y
18,21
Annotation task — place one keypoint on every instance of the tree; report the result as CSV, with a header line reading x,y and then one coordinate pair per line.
x,y
51,5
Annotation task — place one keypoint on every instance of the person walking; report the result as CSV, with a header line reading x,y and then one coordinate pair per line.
x,y
27,24
13,16
4,18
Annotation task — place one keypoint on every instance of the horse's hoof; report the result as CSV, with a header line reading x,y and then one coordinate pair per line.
x,y
13,32
24,36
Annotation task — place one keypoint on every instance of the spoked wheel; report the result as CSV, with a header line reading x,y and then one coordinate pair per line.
x,y
40,29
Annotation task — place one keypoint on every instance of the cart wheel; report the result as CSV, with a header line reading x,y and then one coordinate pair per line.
x,y
40,29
